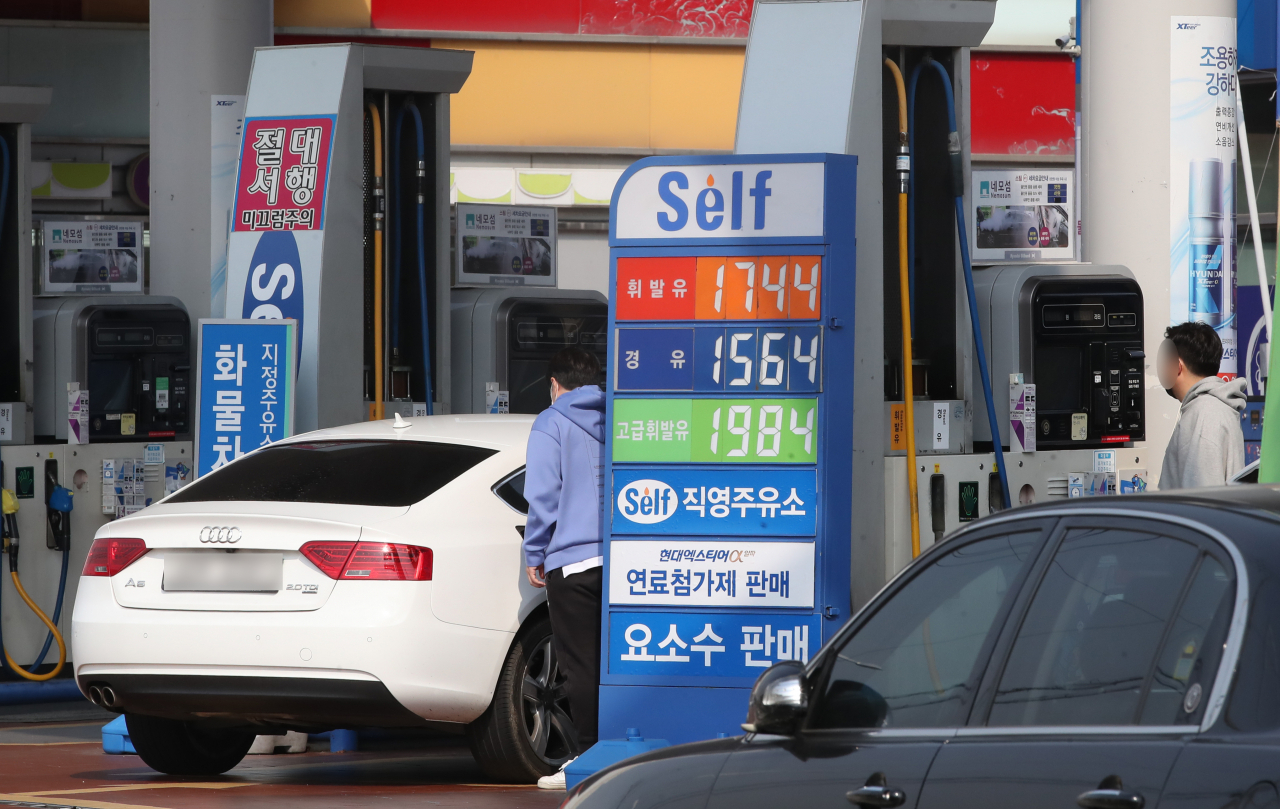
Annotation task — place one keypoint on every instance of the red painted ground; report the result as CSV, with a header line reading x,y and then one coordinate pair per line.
x,y
53,764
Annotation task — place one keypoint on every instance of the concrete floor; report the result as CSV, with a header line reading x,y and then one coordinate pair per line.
x,y
61,764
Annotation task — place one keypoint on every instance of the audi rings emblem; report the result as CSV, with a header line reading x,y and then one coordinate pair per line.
x,y
220,534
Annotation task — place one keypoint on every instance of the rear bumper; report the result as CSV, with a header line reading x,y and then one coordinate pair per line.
x,y
373,655
297,703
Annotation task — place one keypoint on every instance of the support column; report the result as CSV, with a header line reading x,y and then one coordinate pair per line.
x,y
197,50
1125,185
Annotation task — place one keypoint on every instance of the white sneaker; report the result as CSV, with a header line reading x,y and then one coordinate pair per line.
x,y
555,781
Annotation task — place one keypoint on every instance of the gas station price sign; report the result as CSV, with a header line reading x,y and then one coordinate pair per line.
x,y
729,457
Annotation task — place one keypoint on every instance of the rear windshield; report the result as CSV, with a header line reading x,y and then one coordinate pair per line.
x,y
353,473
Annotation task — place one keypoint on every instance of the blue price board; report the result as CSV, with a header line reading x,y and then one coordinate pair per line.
x,y
730,403
713,644
715,502
245,388
742,358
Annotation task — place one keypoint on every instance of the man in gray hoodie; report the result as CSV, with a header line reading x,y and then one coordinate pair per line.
x,y
1207,446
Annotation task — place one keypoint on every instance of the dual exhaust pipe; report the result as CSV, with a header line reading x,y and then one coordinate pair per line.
x,y
104,696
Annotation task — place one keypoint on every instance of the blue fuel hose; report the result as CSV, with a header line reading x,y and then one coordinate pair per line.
x,y
962,232
409,106
57,609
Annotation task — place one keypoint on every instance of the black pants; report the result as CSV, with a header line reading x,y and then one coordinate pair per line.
x,y
575,619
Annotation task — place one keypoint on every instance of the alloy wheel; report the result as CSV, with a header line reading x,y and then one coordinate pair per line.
x,y
545,705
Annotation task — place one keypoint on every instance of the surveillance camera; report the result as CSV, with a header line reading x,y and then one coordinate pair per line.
x,y
1063,41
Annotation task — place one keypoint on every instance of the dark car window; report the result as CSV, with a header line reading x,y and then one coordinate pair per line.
x,y
1091,634
354,473
511,490
919,655
1190,653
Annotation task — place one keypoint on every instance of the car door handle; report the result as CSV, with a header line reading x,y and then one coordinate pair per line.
x,y
1111,794
1111,799
881,797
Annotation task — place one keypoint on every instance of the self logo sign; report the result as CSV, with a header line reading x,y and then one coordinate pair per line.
x,y
722,202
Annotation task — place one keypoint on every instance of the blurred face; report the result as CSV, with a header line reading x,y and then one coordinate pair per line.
x,y
1168,366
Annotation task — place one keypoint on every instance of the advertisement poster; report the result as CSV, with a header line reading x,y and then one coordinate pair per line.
x,y
284,172
246,388
1202,170
90,257
1023,215
506,244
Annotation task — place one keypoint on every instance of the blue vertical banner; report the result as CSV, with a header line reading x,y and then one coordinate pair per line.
x,y
729,463
246,379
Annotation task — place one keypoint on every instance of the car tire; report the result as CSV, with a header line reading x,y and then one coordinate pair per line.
x,y
186,748
526,731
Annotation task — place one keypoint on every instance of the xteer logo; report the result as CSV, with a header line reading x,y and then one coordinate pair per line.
x,y
647,501
1188,26
273,290
709,204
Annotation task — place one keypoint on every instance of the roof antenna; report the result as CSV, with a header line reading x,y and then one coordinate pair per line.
x,y
401,423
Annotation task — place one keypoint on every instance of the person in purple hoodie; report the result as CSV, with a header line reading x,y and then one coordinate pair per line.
x,y
564,535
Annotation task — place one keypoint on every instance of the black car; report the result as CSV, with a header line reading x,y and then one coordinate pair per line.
x,y
1101,653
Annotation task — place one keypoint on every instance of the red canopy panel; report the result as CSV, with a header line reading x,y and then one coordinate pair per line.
x,y
1022,103
695,18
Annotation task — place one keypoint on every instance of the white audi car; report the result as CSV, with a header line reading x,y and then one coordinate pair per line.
x,y
361,576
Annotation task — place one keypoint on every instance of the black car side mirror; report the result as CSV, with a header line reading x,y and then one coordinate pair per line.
x,y
779,700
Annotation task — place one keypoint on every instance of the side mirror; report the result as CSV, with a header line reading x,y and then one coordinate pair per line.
x,y
779,700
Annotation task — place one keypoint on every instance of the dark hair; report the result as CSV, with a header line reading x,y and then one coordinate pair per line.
x,y
1198,347
573,367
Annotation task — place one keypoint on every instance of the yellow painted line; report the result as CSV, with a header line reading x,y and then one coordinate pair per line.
x,y
132,787
82,804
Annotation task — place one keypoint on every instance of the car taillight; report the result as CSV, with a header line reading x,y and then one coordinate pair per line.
x,y
370,561
328,556
109,556
386,561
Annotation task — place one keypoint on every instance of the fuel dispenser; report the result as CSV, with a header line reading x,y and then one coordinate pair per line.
x,y
1075,332
56,494
506,335
341,220
20,107
946,342
132,354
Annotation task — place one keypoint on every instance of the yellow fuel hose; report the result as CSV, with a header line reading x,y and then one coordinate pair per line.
x,y
57,636
904,293
378,197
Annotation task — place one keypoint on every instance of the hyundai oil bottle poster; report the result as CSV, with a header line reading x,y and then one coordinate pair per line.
x,y
1202,171
1023,215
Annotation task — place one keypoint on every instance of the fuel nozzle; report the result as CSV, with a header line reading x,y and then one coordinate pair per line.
x,y
9,528
60,505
